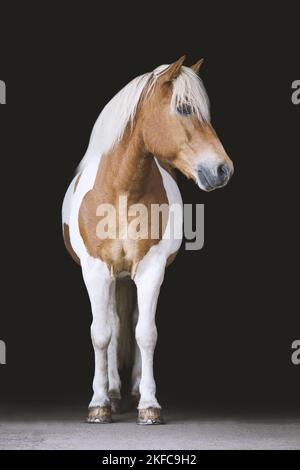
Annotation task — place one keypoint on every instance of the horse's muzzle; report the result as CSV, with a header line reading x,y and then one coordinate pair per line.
x,y
213,178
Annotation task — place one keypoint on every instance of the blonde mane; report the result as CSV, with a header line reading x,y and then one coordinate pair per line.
x,y
112,121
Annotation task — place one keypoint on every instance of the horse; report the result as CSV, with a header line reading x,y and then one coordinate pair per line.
x,y
159,122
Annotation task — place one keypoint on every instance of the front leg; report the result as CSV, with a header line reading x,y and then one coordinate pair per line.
x,y
100,288
148,280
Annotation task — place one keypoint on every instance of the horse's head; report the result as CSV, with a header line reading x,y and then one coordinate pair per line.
x,y
176,126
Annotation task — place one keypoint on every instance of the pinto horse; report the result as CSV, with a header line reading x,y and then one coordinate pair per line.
x,y
157,122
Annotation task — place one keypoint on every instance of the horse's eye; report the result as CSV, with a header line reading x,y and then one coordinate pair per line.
x,y
184,109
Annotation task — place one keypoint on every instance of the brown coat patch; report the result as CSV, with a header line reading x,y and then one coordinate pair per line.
x,y
66,235
128,172
171,258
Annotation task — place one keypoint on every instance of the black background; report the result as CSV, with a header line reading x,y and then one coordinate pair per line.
x,y
227,314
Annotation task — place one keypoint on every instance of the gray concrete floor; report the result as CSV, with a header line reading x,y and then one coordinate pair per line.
x,y
182,431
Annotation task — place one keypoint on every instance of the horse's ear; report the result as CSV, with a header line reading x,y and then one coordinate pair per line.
x,y
196,67
173,70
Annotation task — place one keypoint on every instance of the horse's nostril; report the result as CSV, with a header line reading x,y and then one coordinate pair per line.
x,y
222,170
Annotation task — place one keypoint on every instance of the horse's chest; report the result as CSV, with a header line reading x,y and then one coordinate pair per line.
x,y
119,228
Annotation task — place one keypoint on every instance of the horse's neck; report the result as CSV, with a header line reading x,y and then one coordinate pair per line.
x,y
128,167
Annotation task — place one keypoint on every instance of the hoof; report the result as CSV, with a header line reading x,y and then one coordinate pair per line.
x,y
150,416
99,414
115,404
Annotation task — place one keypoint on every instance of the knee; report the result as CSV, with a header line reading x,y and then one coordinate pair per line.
x,y
100,336
146,335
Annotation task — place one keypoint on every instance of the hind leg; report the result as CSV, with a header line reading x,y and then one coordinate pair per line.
x,y
137,366
114,387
